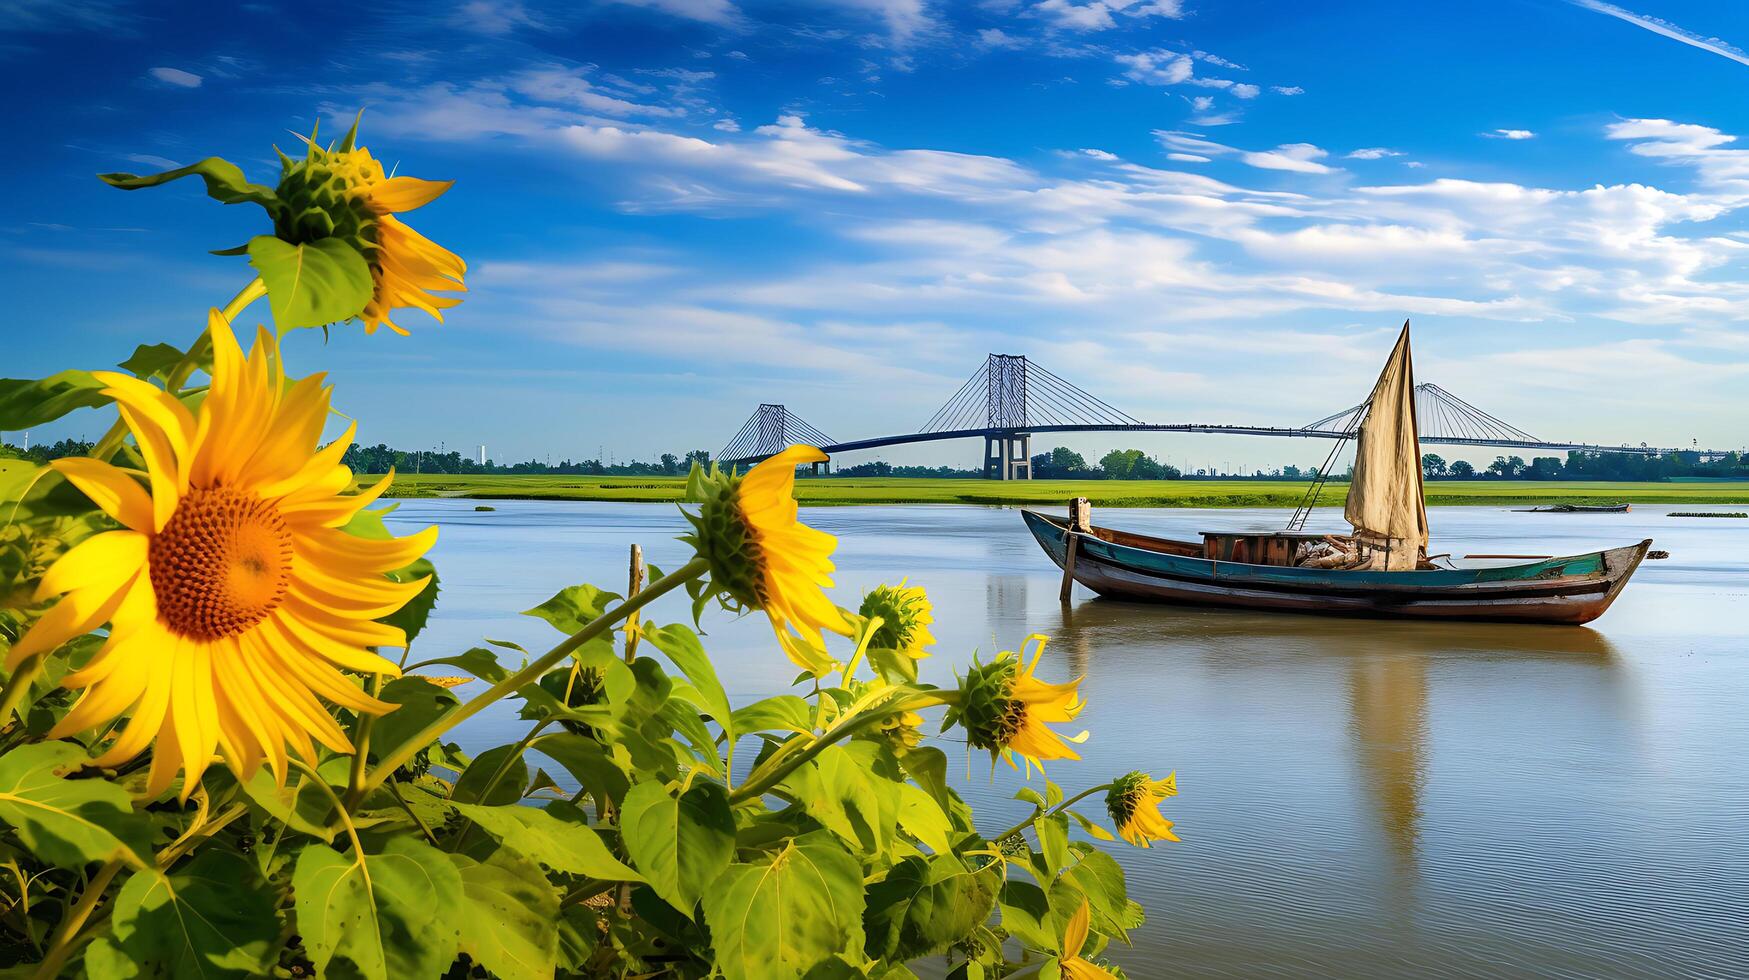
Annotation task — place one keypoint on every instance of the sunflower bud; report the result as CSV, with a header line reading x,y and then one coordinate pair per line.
x,y
1133,805
905,615
1006,710
762,557
326,195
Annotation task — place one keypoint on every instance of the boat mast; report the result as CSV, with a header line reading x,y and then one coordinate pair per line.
x,y
1310,500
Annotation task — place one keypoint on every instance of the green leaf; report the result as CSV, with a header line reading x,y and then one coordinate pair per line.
x,y
387,915
224,182
1098,876
845,789
927,765
573,608
922,818
1026,915
412,617
780,917
681,646
1053,841
302,806
785,712
579,935
508,788
509,922
558,836
924,906
479,661
587,761
311,284
681,845
68,822
26,403
1092,829
156,361
421,702
212,917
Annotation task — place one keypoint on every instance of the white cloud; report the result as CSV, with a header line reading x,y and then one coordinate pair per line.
x,y
720,12
558,85
1187,158
1157,67
1711,45
726,126
175,77
1097,15
495,17
1287,90
1297,157
1510,134
1100,155
1373,153
1245,90
152,160
997,39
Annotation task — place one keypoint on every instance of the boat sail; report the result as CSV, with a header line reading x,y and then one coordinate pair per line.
x,y
1381,569
1386,499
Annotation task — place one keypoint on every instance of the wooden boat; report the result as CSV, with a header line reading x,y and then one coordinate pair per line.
x,y
1122,564
1381,569
1578,509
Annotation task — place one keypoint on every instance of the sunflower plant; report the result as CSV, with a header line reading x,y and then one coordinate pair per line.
x,y
220,757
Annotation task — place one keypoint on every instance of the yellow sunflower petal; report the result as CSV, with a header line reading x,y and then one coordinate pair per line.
x,y
406,193
111,489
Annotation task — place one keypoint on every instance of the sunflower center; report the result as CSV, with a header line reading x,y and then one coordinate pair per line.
x,y
221,564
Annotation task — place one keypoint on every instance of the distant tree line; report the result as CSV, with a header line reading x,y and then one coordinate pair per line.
x,y
42,454
1579,465
380,457
1119,464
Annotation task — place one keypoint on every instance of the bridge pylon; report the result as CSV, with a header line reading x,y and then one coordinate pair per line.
x,y
1006,400
770,430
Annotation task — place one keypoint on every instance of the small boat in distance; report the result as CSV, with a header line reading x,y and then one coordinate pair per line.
x,y
1381,569
1577,509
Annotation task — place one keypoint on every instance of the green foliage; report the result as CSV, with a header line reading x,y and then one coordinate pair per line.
x,y
789,912
27,404
68,823
312,283
618,835
379,915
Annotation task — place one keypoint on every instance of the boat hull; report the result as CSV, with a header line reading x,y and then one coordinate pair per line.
x,y
1572,590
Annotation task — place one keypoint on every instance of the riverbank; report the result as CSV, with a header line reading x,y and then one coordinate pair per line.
x,y
1108,493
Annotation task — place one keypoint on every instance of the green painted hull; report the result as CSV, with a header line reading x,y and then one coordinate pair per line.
x,y
1575,589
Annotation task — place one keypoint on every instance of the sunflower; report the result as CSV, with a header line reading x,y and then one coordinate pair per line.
x,y
1071,964
233,599
343,192
762,557
1134,805
1008,710
905,616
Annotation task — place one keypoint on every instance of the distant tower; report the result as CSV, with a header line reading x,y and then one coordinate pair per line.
x,y
482,454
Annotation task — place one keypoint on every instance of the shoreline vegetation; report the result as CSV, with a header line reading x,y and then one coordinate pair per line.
x,y
1189,493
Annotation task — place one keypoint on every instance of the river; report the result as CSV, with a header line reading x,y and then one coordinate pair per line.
x,y
1358,798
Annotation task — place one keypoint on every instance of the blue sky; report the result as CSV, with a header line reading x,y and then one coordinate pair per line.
x,y
676,209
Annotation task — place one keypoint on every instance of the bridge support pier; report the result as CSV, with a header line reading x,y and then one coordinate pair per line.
x,y
1008,457
823,468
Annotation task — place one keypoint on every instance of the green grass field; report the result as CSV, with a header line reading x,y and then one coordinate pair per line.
x,y
1110,493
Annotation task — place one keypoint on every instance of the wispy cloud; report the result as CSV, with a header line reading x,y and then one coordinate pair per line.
x,y
1509,134
1659,26
1374,153
175,76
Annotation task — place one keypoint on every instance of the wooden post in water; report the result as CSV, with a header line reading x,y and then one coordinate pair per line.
x,y
634,585
1080,522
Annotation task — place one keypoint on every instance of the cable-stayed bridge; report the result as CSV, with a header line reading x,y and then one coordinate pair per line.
x,y
1011,398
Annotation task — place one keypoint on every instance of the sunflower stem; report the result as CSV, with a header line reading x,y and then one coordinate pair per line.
x,y
61,944
601,624
1044,812
761,780
361,740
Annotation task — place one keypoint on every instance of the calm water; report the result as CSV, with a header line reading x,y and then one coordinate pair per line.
x,y
1358,798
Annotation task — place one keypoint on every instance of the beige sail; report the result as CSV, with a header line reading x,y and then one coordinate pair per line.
x,y
1385,502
